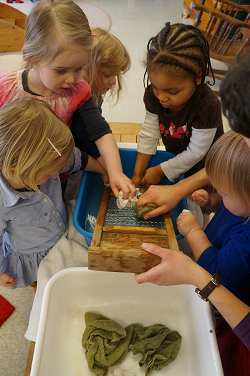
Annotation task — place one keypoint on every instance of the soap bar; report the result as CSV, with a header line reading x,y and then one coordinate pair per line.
x,y
142,210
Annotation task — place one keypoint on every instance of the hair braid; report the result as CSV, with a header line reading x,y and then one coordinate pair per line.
x,y
182,46
164,34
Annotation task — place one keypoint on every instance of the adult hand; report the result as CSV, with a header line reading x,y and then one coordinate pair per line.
x,y
176,268
164,196
6,280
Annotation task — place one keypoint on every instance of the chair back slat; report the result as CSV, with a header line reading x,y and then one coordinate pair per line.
x,y
212,25
228,41
245,44
211,17
223,28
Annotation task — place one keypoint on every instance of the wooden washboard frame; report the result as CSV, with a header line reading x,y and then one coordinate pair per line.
x,y
118,248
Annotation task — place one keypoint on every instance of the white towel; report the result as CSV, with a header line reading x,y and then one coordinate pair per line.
x,y
69,251
129,202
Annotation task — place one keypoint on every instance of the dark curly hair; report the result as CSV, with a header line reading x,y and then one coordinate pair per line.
x,y
182,46
235,96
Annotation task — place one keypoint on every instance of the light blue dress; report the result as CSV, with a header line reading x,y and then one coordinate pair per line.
x,y
30,224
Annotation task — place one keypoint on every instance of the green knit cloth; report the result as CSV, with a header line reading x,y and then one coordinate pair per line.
x,y
142,210
158,344
107,344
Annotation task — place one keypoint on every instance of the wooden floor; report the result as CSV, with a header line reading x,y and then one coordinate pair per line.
x,y
123,132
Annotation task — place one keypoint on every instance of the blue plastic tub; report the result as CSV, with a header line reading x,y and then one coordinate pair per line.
x,y
91,191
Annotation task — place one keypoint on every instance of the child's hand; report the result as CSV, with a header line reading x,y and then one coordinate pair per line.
x,y
153,175
136,180
6,280
201,197
119,181
105,178
210,201
187,223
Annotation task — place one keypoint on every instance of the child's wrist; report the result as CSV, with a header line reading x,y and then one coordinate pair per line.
x,y
161,173
114,172
139,173
194,233
198,241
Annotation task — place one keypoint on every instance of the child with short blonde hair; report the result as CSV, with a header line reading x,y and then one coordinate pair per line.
x,y
104,73
224,246
58,43
110,61
35,145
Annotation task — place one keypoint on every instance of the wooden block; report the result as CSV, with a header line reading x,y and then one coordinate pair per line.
x,y
118,248
125,128
117,137
11,37
10,20
128,138
7,11
12,29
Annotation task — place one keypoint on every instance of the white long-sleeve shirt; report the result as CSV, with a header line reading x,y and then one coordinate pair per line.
x,y
188,133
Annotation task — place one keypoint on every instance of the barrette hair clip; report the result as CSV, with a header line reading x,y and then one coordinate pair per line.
x,y
54,147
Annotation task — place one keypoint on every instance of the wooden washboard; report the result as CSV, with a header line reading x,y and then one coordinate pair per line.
x,y
118,248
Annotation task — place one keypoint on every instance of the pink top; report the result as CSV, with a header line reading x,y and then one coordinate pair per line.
x,y
64,105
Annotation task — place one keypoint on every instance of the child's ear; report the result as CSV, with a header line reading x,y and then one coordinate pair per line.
x,y
32,63
199,77
29,63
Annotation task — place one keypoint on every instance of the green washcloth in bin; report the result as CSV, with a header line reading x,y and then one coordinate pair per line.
x,y
158,344
107,344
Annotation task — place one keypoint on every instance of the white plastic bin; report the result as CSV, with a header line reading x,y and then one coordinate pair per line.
x,y
74,291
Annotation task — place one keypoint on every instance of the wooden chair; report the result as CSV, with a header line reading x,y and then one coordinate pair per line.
x,y
228,37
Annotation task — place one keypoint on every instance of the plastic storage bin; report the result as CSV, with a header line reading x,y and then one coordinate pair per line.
x,y
72,292
91,191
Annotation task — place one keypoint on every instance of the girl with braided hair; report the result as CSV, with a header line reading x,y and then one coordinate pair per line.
x,y
180,107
